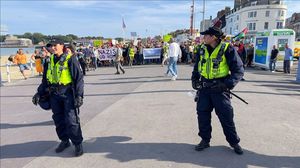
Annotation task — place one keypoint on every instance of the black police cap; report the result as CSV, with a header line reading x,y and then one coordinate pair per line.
x,y
53,42
213,31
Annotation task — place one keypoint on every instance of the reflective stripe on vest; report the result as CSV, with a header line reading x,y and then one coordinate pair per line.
x,y
59,73
209,66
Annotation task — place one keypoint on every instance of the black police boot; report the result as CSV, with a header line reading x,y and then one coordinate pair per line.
x,y
202,145
78,150
62,146
237,149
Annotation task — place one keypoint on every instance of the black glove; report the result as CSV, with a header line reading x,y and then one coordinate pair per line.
x,y
221,86
36,99
78,101
196,84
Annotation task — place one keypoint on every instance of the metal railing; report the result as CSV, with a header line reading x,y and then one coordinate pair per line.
x,y
9,73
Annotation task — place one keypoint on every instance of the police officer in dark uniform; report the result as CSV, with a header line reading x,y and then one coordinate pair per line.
x,y
217,70
63,81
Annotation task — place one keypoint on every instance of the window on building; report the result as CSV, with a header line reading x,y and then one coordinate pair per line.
x,y
230,30
251,26
266,26
237,27
267,13
280,13
230,19
279,25
252,14
237,17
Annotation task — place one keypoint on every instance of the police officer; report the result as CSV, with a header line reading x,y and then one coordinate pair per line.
x,y
63,80
217,70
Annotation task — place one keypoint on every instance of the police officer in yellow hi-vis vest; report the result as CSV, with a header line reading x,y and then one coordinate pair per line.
x,y
63,82
217,70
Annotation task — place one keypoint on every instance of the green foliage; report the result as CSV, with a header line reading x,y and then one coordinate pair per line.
x,y
119,39
2,38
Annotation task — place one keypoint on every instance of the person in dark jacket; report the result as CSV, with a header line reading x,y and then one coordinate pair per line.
x,y
63,82
217,70
273,58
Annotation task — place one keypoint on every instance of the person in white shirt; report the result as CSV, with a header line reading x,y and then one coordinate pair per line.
x,y
174,53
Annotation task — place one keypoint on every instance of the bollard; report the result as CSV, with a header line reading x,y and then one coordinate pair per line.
x,y
31,67
7,72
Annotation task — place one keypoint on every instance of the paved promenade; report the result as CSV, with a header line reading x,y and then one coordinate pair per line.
x,y
144,120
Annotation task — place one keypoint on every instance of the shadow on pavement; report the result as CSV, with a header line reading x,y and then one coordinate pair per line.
x,y
127,82
7,125
268,93
28,149
115,148
143,92
116,94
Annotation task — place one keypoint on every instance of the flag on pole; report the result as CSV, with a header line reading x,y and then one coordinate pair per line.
x,y
123,23
219,22
241,34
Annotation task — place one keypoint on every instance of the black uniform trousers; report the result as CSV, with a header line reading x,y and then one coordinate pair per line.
x,y
220,101
67,125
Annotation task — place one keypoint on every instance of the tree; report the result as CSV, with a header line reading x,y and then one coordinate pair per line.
x,y
119,39
37,37
72,36
2,38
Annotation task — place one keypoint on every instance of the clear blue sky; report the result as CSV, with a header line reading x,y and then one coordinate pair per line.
x,y
104,18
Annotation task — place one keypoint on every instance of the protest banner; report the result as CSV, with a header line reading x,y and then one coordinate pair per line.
x,y
107,54
152,53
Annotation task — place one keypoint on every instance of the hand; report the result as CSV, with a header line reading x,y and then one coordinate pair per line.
x,y
78,101
36,99
196,84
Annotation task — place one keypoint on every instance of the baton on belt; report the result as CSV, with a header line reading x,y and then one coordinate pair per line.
x,y
238,97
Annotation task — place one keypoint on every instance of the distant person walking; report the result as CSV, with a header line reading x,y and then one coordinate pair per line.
x,y
287,59
273,58
21,60
174,53
131,53
250,54
119,58
37,56
165,49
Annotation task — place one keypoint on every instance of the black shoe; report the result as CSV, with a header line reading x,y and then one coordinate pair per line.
x,y
62,146
117,73
78,150
237,149
123,71
202,145
243,79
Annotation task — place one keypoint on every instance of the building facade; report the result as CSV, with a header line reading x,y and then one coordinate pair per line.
x,y
13,41
293,22
257,16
